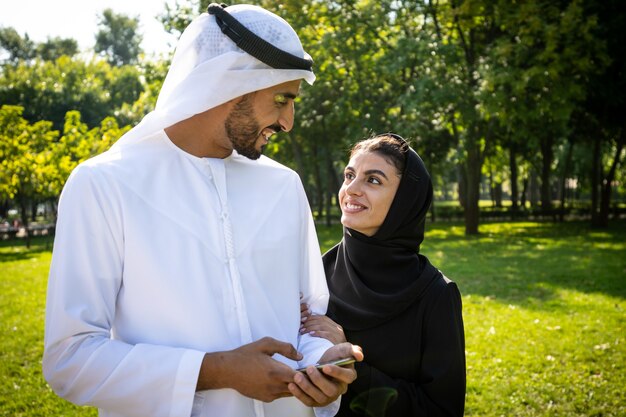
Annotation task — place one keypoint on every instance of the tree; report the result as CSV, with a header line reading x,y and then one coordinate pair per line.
x,y
56,47
23,49
35,162
47,90
118,39
24,165
17,47
604,109
538,74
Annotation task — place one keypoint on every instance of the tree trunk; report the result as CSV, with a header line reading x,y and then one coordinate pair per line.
x,y
497,193
513,168
462,180
33,211
473,167
605,196
296,148
522,202
333,186
4,209
564,174
595,181
533,190
24,217
319,184
492,189
546,171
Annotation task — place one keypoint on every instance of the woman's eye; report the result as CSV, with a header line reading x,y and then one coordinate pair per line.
x,y
375,180
348,175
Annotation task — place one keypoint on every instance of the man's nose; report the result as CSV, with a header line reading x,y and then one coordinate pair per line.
x,y
286,117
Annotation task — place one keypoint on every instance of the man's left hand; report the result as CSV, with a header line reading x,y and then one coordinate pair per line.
x,y
318,388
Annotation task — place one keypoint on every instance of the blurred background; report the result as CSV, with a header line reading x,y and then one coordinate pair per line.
x,y
516,107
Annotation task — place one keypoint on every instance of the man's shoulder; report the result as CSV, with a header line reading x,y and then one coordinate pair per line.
x,y
119,163
130,154
267,164
273,164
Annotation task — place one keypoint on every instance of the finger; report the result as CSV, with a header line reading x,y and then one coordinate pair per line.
x,y
304,312
320,325
284,391
348,349
300,395
309,388
330,387
314,319
357,352
271,346
311,322
345,374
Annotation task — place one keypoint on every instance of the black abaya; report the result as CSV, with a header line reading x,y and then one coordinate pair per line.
x,y
401,310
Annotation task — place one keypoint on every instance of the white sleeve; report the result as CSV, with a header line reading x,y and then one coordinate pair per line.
x,y
81,361
315,294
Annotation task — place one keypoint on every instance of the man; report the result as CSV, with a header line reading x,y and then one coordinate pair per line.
x,y
178,263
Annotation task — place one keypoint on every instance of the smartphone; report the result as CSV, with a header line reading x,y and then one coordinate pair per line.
x,y
338,362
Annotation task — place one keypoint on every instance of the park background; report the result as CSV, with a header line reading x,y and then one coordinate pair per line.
x,y
517,109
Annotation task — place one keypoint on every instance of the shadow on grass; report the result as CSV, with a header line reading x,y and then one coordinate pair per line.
x,y
526,263
16,250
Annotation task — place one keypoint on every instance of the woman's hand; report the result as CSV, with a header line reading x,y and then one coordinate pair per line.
x,y
320,326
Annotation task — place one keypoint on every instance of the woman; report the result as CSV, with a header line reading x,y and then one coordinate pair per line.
x,y
388,298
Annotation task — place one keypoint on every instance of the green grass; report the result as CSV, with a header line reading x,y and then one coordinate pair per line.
x,y
23,277
544,310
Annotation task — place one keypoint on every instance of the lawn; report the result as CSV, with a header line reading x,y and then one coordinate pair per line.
x,y
544,310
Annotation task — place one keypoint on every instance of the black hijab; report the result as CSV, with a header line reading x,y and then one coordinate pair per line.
x,y
373,279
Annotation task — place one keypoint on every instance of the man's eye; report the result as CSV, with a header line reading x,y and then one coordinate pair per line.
x,y
280,99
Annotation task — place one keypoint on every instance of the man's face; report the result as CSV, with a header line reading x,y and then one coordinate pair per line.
x,y
257,116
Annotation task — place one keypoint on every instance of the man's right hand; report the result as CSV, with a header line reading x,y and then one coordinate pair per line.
x,y
250,369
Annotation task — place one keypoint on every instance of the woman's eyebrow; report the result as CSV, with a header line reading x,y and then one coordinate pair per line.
x,y
376,171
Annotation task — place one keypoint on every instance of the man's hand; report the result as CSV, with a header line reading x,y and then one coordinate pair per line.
x,y
317,389
250,370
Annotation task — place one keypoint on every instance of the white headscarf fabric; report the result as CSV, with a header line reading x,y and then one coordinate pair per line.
x,y
208,69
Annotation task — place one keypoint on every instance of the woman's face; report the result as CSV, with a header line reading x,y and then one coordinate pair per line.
x,y
369,186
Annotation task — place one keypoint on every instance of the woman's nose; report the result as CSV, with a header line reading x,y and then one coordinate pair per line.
x,y
353,188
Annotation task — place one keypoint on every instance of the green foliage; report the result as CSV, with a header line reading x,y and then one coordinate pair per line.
x,y
177,17
79,143
118,39
23,49
35,162
25,155
16,46
47,90
56,47
523,95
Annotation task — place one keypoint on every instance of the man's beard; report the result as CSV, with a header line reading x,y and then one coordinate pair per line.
x,y
243,130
